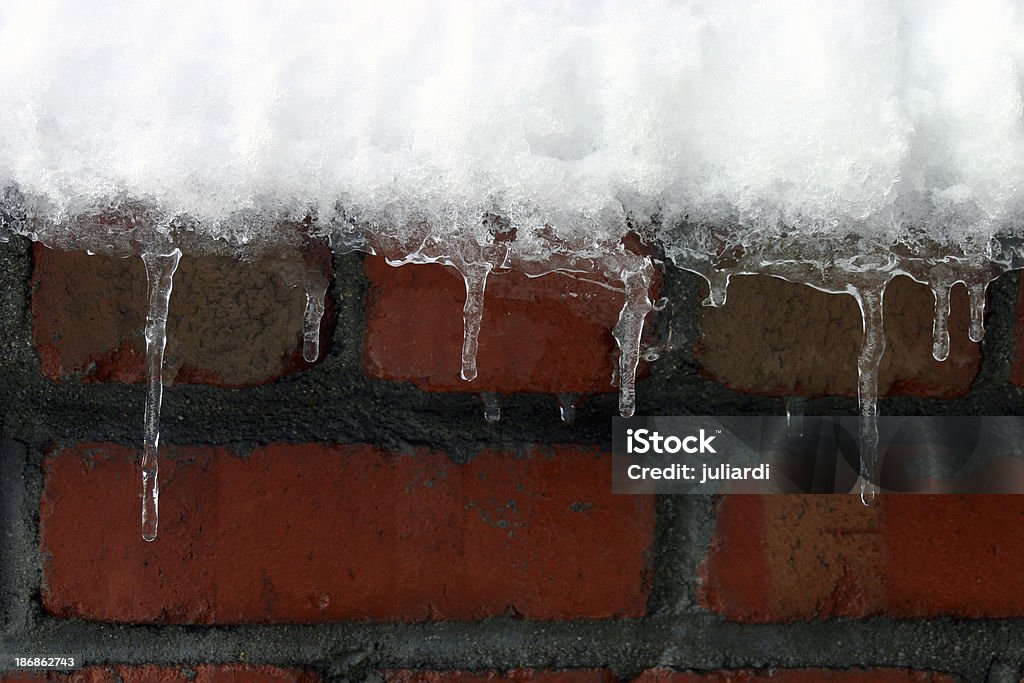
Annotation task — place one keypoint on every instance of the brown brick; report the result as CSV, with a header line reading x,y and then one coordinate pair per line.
x,y
779,338
513,676
231,323
312,533
546,334
798,676
785,558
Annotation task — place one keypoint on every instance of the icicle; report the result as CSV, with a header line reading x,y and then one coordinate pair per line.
x,y
315,293
160,277
718,288
492,407
976,293
567,407
940,331
475,276
628,331
795,415
871,349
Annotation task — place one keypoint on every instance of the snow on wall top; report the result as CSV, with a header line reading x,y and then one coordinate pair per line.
x,y
876,116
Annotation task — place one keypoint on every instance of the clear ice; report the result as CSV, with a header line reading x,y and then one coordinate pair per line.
x,y
567,408
475,277
795,415
314,313
872,348
908,160
629,330
492,407
160,277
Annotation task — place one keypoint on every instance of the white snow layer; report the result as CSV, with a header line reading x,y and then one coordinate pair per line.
x,y
880,117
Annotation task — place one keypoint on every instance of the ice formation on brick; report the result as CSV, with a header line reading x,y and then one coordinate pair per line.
x,y
832,144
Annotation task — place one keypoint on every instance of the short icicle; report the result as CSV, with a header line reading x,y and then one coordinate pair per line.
x,y
871,349
315,293
629,330
475,276
718,288
160,277
492,407
940,323
976,293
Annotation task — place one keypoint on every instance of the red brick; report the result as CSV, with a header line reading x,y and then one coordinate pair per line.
x,y
231,323
785,558
205,673
798,676
315,533
546,334
513,676
778,338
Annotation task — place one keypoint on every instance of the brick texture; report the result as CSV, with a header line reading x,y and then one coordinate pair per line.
x,y
779,338
232,673
546,334
231,323
785,558
798,676
314,533
513,676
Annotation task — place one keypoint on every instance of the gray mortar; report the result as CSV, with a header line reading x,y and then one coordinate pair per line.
x,y
335,402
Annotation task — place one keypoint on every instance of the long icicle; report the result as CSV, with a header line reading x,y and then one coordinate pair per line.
x,y
871,350
160,278
315,294
475,276
628,331
940,323
976,293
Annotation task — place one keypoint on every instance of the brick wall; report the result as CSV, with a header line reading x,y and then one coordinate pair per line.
x,y
357,518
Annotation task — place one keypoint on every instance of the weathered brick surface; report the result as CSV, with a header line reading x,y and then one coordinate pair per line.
x,y
315,533
798,676
513,676
784,558
546,334
231,323
227,673
778,338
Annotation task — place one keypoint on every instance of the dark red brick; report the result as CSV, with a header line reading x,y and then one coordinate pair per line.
x,y
786,558
231,323
798,676
779,338
546,334
316,533
513,676
205,673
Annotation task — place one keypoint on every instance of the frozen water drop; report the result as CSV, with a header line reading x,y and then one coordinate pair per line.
x,y
868,493
976,293
160,270
475,276
940,331
795,415
567,407
492,407
871,350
